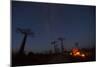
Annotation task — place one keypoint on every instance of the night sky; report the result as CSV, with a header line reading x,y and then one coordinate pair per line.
x,y
75,23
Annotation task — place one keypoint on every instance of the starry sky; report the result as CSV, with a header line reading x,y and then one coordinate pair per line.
x,y
75,23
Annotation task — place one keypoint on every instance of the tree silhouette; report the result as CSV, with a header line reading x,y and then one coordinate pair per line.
x,y
62,46
55,45
26,33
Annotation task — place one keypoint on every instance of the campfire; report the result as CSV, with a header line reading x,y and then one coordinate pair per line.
x,y
75,52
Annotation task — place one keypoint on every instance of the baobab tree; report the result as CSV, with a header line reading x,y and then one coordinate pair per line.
x,y
62,46
55,45
26,33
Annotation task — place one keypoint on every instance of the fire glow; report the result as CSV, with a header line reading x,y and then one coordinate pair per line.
x,y
77,53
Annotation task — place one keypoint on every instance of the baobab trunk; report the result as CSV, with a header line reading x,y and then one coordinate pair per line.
x,y
55,48
23,44
62,47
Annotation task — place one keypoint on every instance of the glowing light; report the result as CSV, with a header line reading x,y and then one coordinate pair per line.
x,y
74,50
71,53
83,55
77,53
